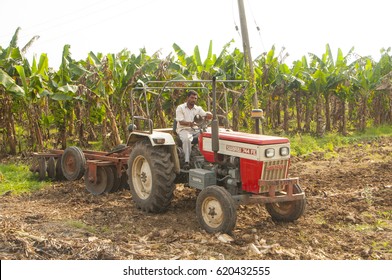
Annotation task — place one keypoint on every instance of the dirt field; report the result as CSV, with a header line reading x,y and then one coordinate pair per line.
x,y
348,217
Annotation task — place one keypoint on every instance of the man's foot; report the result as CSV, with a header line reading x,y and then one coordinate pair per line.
x,y
186,166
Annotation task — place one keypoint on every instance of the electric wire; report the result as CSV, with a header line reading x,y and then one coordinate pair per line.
x,y
257,26
235,23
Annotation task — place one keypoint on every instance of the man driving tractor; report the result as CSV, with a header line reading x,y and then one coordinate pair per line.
x,y
185,115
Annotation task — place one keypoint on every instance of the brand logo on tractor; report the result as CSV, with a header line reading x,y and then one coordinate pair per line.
x,y
275,167
241,150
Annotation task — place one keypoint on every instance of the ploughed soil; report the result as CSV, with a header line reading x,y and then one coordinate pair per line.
x,y
348,217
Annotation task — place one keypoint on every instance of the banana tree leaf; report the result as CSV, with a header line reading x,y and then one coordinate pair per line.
x,y
61,97
43,65
9,84
22,75
68,89
196,55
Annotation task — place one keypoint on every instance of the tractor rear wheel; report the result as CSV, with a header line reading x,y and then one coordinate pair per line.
x,y
151,176
216,210
287,211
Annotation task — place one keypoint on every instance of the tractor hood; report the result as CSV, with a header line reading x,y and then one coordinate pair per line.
x,y
248,138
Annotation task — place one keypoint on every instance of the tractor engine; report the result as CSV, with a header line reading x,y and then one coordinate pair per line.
x,y
228,174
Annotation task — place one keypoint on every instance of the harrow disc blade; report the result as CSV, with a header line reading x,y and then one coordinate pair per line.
x,y
99,186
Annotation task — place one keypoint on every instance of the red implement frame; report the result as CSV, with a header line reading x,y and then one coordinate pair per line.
x,y
94,159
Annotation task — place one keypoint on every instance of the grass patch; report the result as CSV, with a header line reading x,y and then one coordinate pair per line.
x,y
306,144
81,225
385,246
19,179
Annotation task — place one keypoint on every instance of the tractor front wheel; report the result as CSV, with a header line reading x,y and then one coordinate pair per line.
x,y
287,211
216,210
151,176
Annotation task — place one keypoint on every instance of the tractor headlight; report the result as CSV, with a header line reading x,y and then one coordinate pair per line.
x,y
269,153
284,151
159,140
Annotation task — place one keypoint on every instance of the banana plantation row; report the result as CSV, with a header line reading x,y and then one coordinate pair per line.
x,y
88,100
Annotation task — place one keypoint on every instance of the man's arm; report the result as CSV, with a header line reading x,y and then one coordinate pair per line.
x,y
207,115
180,118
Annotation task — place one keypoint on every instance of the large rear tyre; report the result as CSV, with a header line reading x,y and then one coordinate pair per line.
x,y
287,211
216,210
73,163
150,177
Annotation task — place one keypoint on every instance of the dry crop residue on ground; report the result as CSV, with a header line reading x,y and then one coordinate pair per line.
x,y
348,216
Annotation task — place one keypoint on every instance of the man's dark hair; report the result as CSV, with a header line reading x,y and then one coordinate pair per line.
x,y
191,92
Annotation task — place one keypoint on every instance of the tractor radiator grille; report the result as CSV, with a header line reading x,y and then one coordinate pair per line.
x,y
273,170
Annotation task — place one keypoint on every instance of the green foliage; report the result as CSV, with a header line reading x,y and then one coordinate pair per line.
x,y
19,179
306,144
9,84
84,99
81,225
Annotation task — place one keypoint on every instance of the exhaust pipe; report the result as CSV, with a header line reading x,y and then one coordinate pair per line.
x,y
214,123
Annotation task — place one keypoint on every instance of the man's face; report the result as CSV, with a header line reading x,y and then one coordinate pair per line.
x,y
192,99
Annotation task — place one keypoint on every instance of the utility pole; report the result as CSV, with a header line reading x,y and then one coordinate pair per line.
x,y
248,60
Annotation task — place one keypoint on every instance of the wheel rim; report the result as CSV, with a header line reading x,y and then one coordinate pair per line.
x,y
212,212
142,177
284,208
70,164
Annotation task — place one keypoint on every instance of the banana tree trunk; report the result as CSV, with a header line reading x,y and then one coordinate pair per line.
x,y
9,124
335,111
298,107
113,124
343,129
319,118
285,104
307,113
37,129
363,111
327,112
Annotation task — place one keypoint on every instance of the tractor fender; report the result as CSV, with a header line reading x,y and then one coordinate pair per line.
x,y
155,138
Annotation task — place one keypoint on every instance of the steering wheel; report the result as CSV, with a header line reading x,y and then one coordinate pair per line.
x,y
201,122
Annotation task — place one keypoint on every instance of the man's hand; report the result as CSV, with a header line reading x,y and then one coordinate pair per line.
x,y
185,123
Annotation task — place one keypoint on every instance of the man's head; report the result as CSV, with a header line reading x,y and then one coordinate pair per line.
x,y
191,98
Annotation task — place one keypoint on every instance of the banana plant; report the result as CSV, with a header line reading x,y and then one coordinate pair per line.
x,y
367,79
270,83
15,89
382,103
66,97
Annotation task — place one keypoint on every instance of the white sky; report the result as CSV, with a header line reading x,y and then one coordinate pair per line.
x,y
108,26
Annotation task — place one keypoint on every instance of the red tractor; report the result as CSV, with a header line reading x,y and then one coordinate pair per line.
x,y
228,167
